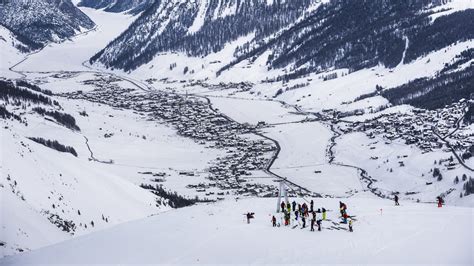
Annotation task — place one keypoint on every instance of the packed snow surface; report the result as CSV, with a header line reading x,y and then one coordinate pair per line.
x,y
218,233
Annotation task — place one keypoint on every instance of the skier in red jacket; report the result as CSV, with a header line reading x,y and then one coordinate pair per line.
x,y
440,202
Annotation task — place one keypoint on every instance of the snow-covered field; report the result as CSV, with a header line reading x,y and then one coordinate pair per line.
x,y
70,54
303,159
219,234
413,178
253,111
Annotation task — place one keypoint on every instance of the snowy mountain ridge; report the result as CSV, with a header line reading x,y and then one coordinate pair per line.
x,y
36,23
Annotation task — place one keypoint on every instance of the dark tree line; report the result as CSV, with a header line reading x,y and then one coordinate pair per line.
x,y
433,93
30,86
65,225
469,187
8,91
64,119
460,59
175,200
469,113
55,145
5,114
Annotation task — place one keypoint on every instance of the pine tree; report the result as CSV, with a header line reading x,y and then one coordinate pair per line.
x,y
436,172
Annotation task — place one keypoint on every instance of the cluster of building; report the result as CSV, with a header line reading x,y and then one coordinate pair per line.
x,y
193,117
427,129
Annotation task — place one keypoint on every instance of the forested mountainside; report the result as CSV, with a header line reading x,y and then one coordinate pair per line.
x,y
198,28
437,92
35,23
131,6
360,34
333,34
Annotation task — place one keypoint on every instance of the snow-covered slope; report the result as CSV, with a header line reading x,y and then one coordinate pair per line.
x,y
37,22
47,195
219,234
10,51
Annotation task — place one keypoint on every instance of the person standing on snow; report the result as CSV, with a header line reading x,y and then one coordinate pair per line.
x,y
282,205
296,215
293,204
311,205
287,219
440,202
318,222
304,221
342,207
274,221
288,207
396,201
249,216
312,225
324,213
350,225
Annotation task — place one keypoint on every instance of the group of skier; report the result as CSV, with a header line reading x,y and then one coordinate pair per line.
x,y
303,212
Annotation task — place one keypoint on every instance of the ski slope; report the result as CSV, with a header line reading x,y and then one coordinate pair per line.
x,y
219,234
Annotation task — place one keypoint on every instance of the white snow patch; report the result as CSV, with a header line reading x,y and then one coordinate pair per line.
x,y
451,7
